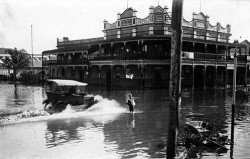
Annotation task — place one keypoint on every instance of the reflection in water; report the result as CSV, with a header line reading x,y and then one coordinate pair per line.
x,y
217,110
131,122
16,99
73,129
15,92
140,134
108,130
67,131
200,152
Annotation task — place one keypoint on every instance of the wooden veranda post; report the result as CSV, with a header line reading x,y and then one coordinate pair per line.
x,y
175,77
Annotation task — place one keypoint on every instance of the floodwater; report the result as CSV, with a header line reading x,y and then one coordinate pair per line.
x,y
107,129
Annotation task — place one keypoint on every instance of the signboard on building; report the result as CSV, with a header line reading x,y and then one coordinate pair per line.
x,y
158,17
188,55
200,25
142,21
230,66
126,22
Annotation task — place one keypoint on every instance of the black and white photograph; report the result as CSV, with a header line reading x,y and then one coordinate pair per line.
x,y
124,79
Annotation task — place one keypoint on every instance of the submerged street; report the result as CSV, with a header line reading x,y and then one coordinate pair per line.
x,y
107,129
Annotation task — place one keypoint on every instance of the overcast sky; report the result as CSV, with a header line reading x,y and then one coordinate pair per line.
x,y
81,19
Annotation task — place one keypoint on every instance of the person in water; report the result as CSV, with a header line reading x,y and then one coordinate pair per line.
x,y
131,103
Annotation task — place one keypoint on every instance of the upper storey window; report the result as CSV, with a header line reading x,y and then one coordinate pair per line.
x,y
133,21
166,30
118,34
105,35
151,30
133,32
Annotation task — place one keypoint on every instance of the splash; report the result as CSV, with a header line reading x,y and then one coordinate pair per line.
x,y
22,117
105,106
104,110
68,110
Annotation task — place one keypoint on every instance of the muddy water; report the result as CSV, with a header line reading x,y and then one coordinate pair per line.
x,y
107,130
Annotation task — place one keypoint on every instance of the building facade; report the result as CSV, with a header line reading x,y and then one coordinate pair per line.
x,y
136,52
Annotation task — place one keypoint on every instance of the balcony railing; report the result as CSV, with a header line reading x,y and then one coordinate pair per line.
x,y
66,62
130,56
211,57
190,56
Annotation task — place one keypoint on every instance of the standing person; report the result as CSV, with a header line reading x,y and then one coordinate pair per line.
x,y
131,103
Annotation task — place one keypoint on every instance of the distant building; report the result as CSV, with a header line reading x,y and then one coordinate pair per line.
x,y
136,52
247,50
37,66
4,71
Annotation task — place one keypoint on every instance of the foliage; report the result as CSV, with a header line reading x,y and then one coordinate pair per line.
x,y
17,60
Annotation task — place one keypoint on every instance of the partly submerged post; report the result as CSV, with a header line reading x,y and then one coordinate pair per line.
x,y
175,77
234,96
42,71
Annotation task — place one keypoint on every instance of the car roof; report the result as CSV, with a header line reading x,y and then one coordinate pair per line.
x,y
63,82
195,115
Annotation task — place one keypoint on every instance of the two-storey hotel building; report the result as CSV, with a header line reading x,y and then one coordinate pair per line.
x,y
136,52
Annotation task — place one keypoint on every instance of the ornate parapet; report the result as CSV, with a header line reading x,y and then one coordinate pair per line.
x,y
186,23
211,27
129,18
142,21
198,28
110,26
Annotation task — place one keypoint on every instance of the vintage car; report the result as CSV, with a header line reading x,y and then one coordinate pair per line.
x,y
61,93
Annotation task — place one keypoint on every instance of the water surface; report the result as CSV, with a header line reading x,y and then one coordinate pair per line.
x,y
107,129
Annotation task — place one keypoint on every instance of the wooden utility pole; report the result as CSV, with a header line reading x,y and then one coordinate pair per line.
x,y
175,77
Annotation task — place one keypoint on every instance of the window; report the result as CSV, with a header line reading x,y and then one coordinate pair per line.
x,y
118,34
133,21
151,31
166,30
105,36
145,48
134,32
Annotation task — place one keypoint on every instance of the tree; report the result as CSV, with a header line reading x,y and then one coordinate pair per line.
x,y
17,60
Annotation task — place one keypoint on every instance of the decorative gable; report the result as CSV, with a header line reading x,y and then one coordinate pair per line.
x,y
128,13
199,16
158,14
158,9
200,20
